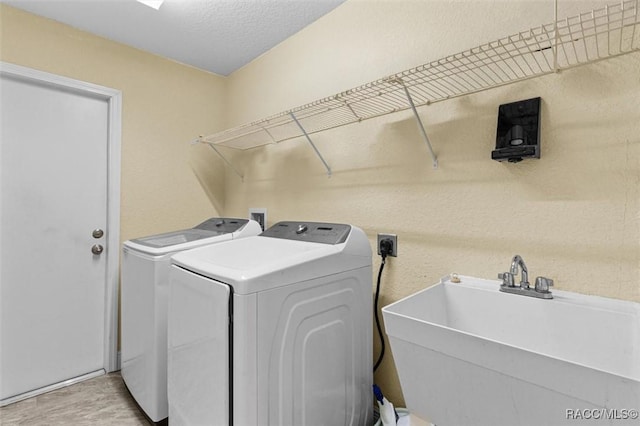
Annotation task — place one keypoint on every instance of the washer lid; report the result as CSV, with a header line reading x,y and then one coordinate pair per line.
x,y
188,238
175,238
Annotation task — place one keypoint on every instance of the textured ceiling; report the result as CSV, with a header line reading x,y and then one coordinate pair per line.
x,y
215,35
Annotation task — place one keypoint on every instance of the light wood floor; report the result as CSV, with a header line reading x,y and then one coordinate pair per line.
x,y
103,400
100,401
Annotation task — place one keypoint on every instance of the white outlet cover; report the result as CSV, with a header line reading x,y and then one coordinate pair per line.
x,y
259,214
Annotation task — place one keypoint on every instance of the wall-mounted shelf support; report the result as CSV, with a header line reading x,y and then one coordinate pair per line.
x,y
226,161
306,135
423,132
199,140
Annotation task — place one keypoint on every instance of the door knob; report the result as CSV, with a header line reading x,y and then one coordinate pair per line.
x,y
97,233
97,249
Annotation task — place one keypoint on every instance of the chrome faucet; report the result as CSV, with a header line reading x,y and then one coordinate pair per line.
x,y
540,290
524,278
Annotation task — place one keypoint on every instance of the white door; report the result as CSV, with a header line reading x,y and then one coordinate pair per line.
x,y
53,234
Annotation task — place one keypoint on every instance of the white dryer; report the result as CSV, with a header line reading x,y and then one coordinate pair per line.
x,y
144,291
273,330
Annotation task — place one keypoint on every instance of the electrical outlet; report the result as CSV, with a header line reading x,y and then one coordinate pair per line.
x,y
394,240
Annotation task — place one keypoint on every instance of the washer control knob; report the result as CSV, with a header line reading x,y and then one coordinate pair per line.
x,y
301,229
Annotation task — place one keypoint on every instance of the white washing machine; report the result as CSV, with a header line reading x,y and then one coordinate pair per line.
x,y
144,298
273,330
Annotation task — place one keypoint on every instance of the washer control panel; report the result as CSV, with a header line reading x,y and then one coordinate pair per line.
x,y
315,232
222,225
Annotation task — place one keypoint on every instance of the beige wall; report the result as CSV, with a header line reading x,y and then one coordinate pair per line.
x,y
573,214
165,105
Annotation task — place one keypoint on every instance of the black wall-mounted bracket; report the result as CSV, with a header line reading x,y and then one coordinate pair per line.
x,y
518,134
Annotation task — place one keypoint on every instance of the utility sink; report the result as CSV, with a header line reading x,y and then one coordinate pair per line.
x,y
470,355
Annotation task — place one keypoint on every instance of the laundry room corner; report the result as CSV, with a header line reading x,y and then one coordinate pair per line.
x,y
410,154
209,169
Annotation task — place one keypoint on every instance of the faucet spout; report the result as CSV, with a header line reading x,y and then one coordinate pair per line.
x,y
516,262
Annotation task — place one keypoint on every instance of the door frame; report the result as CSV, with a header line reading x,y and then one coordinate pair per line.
x,y
114,101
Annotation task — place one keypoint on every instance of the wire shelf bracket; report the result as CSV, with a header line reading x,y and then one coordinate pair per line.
x,y
228,163
306,135
423,132
566,43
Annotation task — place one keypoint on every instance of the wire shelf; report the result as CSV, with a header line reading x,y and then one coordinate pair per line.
x,y
589,37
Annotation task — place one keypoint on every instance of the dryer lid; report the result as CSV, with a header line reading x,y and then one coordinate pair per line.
x,y
259,263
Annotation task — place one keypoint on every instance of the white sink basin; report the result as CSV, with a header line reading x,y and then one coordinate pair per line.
x,y
470,355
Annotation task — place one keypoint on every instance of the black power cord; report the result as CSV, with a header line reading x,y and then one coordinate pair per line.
x,y
386,247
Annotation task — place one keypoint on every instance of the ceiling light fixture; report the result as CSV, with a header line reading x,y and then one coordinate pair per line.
x,y
152,3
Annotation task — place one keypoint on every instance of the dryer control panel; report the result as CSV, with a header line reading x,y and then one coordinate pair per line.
x,y
315,232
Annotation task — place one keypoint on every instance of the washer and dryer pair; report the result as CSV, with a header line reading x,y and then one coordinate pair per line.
x,y
144,304
273,329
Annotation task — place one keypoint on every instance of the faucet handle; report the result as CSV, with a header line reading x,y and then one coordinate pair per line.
x,y
543,284
507,279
